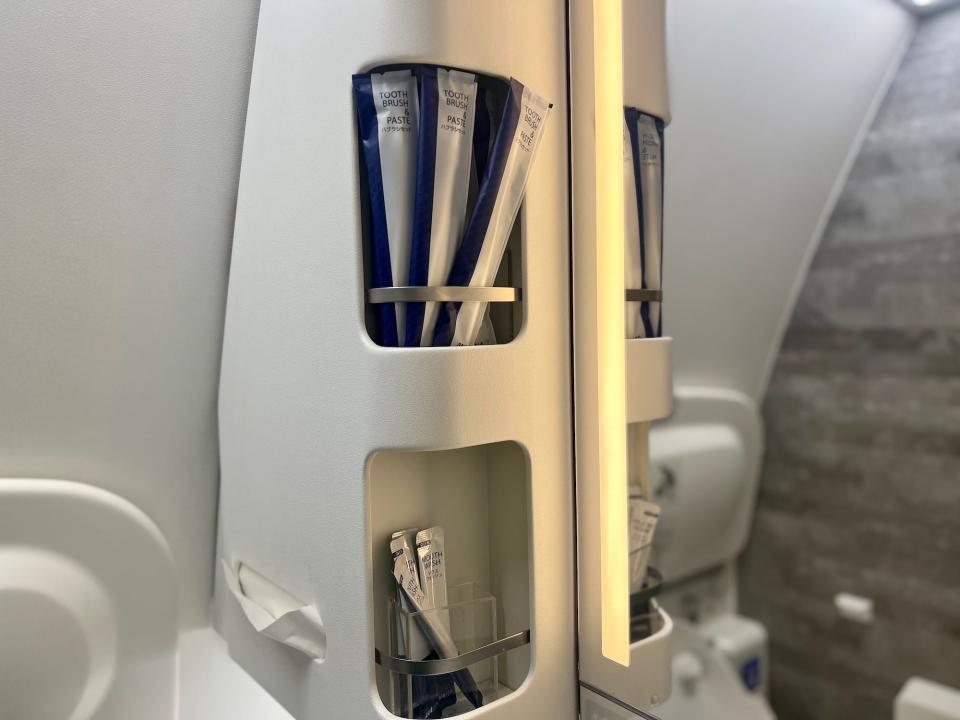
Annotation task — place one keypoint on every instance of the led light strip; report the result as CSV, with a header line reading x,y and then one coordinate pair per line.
x,y
614,562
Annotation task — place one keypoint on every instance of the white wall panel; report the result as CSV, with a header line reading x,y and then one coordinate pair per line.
x,y
769,98
120,134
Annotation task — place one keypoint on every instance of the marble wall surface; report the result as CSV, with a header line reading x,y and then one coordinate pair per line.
x,y
861,481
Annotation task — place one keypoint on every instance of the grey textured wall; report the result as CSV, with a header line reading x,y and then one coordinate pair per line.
x,y
861,483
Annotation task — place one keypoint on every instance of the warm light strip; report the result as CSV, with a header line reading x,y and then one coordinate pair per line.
x,y
611,349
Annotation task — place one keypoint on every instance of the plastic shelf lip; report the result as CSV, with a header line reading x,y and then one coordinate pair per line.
x,y
637,295
446,293
449,665
666,629
649,379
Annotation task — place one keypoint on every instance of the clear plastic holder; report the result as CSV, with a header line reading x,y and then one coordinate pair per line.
x,y
433,687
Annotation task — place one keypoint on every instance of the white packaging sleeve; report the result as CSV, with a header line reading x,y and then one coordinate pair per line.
x,y
448,107
501,192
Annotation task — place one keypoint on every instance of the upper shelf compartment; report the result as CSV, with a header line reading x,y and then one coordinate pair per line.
x,y
444,154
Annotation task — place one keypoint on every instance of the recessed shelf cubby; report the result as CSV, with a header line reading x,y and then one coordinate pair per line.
x,y
505,317
480,497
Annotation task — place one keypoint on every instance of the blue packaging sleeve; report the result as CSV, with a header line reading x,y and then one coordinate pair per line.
x,y
388,121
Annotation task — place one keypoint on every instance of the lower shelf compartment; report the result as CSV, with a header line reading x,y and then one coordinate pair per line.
x,y
447,658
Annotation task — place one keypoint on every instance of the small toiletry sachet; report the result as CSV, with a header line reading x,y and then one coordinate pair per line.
x,y
406,574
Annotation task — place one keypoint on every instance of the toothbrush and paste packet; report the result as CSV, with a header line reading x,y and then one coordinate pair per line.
x,y
449,100
643,203
498,201
388,114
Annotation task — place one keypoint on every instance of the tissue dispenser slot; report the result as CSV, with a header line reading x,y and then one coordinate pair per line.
x,y
275,613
